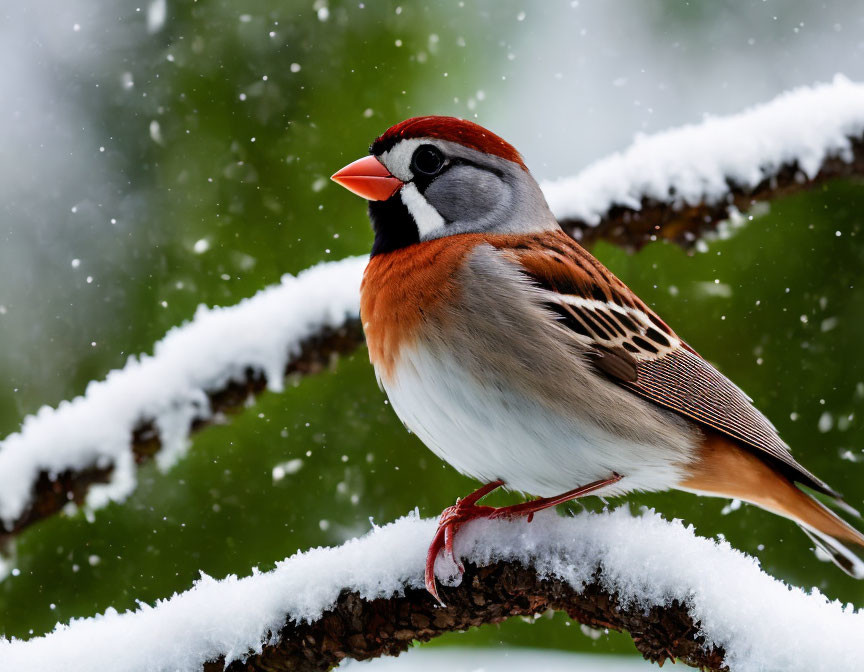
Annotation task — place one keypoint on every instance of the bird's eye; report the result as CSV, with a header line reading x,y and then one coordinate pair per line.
x,y
427,160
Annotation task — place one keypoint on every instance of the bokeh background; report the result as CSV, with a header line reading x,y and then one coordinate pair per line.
x,y
157,155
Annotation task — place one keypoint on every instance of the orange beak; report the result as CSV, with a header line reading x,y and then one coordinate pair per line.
x,y
367,177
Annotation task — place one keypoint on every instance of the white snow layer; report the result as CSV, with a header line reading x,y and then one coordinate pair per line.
x,y
760,622
694,163
171,385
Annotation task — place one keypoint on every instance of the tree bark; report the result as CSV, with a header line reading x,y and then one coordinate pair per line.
x,y
360,629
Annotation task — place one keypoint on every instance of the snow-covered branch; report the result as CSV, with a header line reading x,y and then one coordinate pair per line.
x,y
682,183
676,184
90,447
677,594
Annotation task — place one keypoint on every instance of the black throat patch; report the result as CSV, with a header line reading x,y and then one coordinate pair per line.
x,y
393,225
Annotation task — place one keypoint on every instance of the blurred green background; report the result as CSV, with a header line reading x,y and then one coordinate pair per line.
x,y
153,165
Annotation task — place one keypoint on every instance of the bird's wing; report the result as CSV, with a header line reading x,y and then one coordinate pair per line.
x,y
630,344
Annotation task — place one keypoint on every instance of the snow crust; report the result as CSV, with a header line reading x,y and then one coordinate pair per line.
x,y
762,623
171,385
694,163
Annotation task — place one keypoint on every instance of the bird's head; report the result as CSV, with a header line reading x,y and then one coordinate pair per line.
x,y
430,177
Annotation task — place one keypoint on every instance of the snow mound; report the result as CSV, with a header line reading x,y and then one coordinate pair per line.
x,y
762,623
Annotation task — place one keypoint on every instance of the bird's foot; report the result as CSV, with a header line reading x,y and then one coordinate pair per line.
x,y
452,518
464,510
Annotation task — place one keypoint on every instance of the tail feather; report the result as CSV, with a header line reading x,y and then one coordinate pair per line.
x,y
828,530
837,552
844,506
825,528
790,501
726,469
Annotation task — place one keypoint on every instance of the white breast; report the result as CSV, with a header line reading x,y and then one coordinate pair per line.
x,y
492,433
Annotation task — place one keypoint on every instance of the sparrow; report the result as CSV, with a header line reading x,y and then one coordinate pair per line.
x,y
522,361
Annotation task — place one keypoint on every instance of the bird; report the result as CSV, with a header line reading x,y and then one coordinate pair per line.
x,y
522,361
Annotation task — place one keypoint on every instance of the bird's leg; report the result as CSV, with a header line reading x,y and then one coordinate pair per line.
x,y
531,507
464,510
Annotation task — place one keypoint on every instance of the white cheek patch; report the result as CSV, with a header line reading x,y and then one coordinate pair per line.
x,y
425,216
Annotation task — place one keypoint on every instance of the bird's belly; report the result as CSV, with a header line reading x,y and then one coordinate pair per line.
x,y
493,431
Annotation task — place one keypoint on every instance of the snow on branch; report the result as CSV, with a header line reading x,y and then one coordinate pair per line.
x,y
677,594
676,185
681,183
90,446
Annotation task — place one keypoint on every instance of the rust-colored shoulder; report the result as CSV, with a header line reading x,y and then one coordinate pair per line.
x,y
402,288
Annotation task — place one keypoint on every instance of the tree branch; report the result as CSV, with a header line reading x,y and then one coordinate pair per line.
x,y
52,493
359,629
678,595
681,183
685,223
